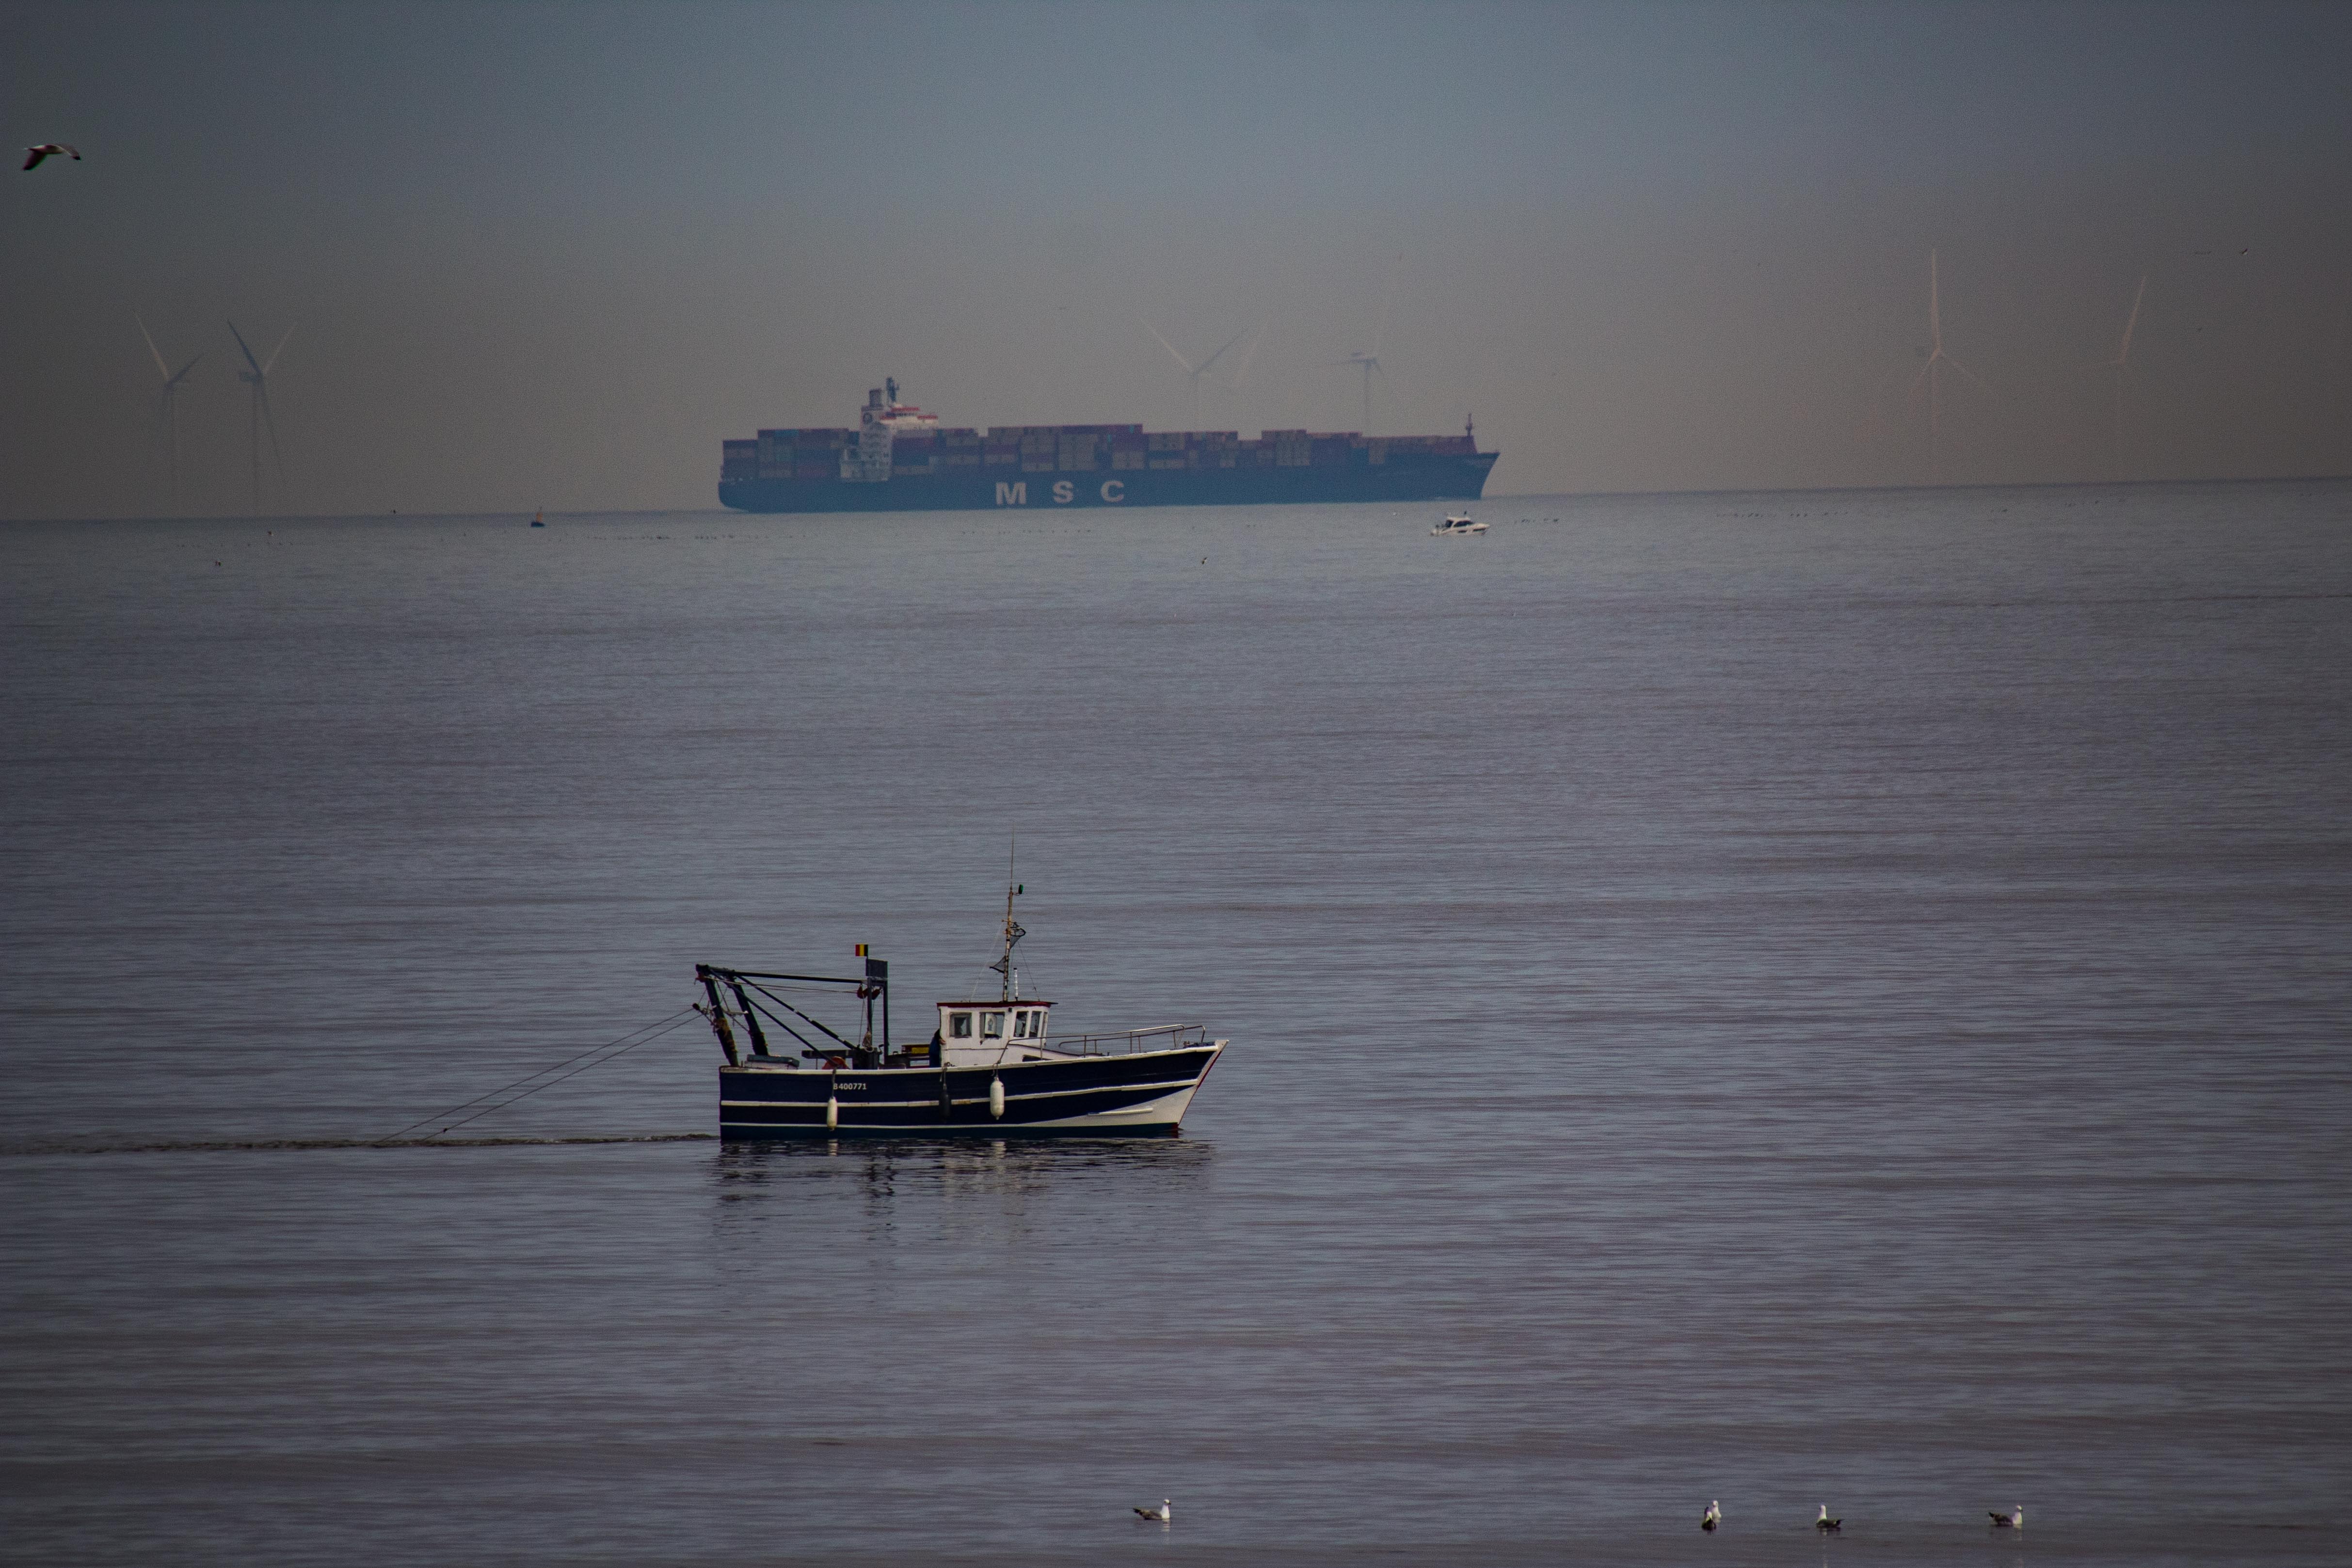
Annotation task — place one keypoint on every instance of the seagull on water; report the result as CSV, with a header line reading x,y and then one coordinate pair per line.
x,y
1712,1517
1161,1515
1825,1524
2015,1520
33,155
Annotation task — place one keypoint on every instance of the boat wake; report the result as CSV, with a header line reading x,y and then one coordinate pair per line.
x,y
277,1144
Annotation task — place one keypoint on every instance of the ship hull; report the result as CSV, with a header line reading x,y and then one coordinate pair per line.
x,y
1141,1095
1437,477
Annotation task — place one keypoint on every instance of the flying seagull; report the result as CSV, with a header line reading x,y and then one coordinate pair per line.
x,y
1712,1517
1825,1524
33,155
1161,1515
2014,1520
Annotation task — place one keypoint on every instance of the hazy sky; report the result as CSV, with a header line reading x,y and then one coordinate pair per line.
x,y
549,256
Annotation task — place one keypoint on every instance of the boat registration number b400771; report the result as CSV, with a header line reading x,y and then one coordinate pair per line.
x,y
837,1083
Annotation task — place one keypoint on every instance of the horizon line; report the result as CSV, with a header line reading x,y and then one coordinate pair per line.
x,y
1515,495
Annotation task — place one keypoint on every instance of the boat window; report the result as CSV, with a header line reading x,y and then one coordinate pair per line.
x,y
991,1026
1021,1026
959,1026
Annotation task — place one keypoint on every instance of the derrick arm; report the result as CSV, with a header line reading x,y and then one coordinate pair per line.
x,y
716,1014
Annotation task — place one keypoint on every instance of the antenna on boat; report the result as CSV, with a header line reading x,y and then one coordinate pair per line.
x,y
1013,932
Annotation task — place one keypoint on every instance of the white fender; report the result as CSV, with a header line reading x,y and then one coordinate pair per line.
x,y
996,1096
831,1113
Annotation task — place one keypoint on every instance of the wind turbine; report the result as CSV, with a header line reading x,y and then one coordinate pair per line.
x,y
170,408
1932,374
257,378
1370,360
1371,363
1194,372
2121,363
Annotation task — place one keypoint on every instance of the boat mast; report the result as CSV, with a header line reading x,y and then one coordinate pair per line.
x,y
1013,932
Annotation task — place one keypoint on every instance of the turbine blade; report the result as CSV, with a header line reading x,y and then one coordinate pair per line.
x,y
1228,343
1248,354
1164,343
242,349
161,367
278,350
2125,353
1972,376
173,385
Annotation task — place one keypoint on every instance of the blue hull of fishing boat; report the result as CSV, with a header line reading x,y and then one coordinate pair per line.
x,y
1143,1094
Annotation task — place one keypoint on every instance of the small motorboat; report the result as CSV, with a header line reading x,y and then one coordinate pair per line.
x,y
1456,523
992,1069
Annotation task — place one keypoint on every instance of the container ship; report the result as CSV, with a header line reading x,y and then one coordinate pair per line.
x,y
899,459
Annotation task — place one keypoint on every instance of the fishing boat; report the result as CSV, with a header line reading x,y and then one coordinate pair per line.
x,y
1456,523
993,1068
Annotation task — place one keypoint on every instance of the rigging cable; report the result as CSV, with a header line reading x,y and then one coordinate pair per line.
x,y
633,1039
793,1010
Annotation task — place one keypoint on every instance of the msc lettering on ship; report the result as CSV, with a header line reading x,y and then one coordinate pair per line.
x,y
1016,493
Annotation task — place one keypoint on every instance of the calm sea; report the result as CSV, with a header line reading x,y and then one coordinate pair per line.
x,y
1791,999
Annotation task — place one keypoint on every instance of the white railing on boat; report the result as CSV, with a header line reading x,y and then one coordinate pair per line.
x,y
1128,1042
